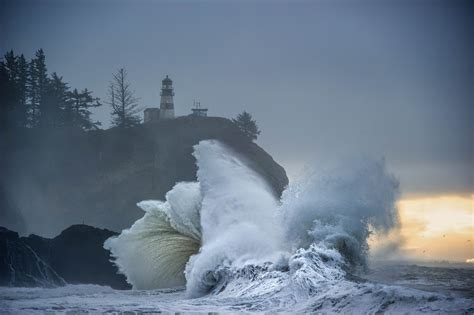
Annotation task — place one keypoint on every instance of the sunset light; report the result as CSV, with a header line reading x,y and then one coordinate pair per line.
x,y
438,228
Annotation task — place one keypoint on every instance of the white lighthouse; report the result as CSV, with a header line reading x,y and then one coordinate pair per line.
x,y
166,103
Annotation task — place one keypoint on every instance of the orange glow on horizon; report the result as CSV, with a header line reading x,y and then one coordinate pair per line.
x,y
435,228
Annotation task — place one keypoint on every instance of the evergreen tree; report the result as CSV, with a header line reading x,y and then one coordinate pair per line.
x,y
123,102
22,86
10,64
12,87
38,79
247,125
29,98
78,112
33,97
54,102
7,89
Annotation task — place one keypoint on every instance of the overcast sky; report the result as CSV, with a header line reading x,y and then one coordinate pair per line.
x,y
323,79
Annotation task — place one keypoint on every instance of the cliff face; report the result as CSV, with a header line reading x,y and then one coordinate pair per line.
x,y
64,177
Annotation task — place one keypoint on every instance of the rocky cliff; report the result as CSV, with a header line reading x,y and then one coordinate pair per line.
x,y
56,178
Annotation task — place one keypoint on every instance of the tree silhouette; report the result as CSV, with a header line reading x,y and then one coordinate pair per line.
x,y
38,79
22,90
53,102
13,75
7,89
247,125
77,113
123,102
31,98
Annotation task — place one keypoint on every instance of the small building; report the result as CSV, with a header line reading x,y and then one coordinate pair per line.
x,y
151,114
198,111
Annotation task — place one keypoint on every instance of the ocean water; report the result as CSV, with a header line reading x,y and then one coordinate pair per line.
x,y
454,280
226,244
391,289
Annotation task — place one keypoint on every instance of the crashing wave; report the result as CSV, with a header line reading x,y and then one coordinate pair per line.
x,y
154,251
226,236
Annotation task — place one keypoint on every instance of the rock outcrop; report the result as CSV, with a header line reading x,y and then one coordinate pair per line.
x,y
21,266
75,256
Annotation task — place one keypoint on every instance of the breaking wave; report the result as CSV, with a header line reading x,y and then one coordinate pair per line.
x,y
154,251
227,237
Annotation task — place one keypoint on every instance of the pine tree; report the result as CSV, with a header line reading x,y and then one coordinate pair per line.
x,y
247,125
33,97
7,95
54,102
38,79
78,112
123,102
30,98
7,90
13,90
22,85
10,64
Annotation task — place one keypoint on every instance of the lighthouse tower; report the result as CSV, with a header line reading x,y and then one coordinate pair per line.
x,y
166,103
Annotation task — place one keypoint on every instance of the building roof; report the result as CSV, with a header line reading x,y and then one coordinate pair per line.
x,y
167,80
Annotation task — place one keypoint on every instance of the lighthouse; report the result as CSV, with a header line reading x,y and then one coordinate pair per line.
x,y
166,103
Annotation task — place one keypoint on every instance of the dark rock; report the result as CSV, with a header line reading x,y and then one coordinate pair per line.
x,y
78,255
74,256
21,266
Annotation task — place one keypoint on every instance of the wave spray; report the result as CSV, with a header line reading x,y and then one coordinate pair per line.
x,y
227,237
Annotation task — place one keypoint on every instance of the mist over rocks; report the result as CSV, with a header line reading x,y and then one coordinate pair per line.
x,y
60,177
10,213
